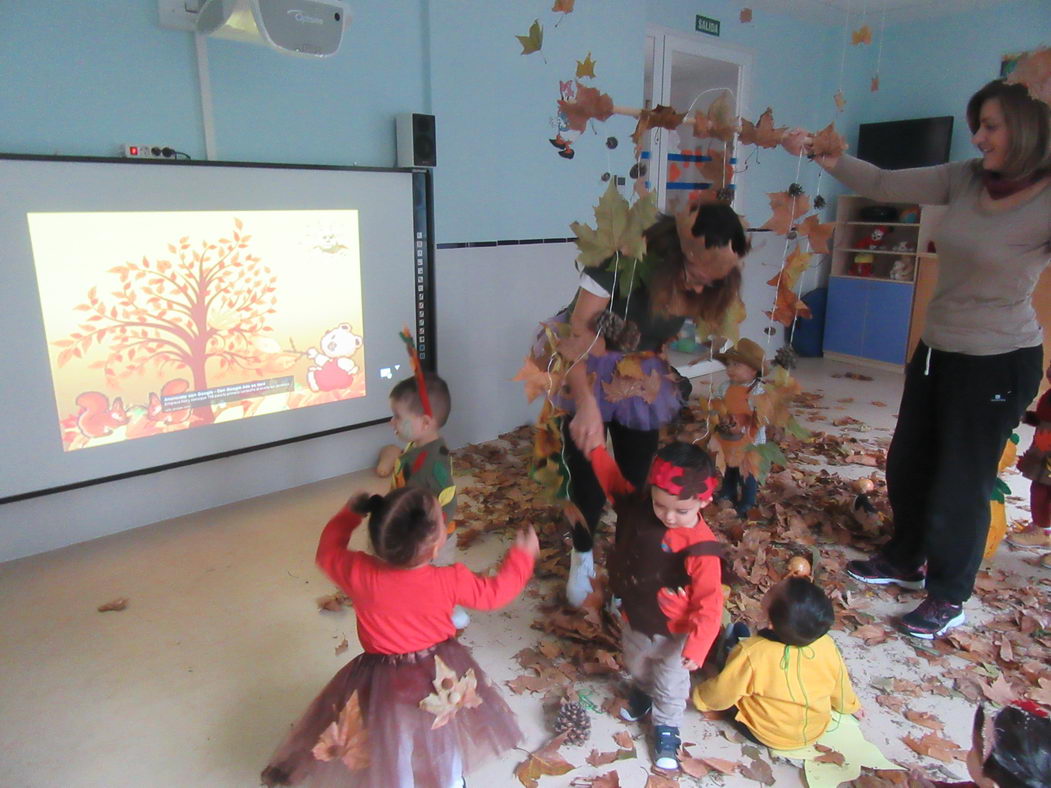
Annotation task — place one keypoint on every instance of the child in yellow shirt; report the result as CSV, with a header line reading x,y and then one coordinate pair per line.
x,y
786,681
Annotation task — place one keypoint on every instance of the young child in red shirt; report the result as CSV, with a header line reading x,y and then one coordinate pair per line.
x,y
415,709
666,572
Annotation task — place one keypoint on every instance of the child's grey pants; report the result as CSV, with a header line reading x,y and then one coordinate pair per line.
x,y
655,664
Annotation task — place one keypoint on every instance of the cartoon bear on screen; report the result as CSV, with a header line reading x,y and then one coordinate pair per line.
x,y
332,367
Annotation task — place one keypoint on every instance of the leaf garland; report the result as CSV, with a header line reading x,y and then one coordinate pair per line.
x,y
763,132
587,104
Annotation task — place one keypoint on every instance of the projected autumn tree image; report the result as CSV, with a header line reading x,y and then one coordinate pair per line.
x,y
205,309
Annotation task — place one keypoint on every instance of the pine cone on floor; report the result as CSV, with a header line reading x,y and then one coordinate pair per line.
x,y
573,721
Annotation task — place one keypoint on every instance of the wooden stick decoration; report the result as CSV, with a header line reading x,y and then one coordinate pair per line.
x,y
414,357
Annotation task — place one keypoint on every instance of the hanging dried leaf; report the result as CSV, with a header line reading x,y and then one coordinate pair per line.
x,y
874,85
717,169
745,16
659,117
786,210
762,132
863,35
536,381
618,228
1034,71
564,7
451,693
545,762
586,68
840,100
532,41
817,232
346,739
719,122
587,104
828,143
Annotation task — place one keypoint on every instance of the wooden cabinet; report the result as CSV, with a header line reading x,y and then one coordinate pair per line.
x,y
873,315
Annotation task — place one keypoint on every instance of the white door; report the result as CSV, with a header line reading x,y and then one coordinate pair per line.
x,y
689,73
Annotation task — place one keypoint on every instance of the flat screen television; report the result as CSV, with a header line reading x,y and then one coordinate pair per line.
x,y
899,144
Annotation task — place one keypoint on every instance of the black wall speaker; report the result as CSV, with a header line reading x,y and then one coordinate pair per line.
x,y
416,140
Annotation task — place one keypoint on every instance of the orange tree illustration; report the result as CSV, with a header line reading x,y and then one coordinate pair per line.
x,y
204,308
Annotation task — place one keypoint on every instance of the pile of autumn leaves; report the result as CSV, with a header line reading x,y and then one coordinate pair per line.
x,y
804,509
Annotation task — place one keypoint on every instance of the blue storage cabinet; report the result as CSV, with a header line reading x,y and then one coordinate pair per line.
x,y
868,318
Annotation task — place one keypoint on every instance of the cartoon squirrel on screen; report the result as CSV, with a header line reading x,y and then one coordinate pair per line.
x,y
332,367
98,417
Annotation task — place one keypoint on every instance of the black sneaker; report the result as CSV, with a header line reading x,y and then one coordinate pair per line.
x,y
639,705
879,571
666,746
933,618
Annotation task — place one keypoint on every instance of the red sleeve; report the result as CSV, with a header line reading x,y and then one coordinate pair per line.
x,y
612,481
488,593
332,554
705,611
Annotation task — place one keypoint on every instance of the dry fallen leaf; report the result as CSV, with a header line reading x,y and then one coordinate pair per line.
x,y
332,602
721,765
342,646
828,755
925,719
114,605
607,780
1000,691
547,761
934,746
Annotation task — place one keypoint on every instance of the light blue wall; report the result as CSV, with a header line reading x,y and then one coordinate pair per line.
x,y
932,67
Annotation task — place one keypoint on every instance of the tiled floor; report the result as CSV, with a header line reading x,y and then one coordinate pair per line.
x,y
221,645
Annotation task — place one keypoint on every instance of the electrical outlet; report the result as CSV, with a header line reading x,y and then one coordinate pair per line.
x,y
148,152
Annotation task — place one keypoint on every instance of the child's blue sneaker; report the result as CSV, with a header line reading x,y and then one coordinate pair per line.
x,y
666,747
639,705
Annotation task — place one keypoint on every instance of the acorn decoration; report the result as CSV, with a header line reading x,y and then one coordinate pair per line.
x,y
573,720
798,567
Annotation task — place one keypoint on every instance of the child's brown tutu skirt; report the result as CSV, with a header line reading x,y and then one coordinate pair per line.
x,y
367,728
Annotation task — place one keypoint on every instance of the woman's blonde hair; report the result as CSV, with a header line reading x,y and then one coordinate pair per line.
x,y
719,225
1028,124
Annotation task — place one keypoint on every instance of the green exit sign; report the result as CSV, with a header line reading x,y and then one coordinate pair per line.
x,y
707,25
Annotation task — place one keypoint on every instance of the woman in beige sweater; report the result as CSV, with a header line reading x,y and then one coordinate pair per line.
x,y
980,360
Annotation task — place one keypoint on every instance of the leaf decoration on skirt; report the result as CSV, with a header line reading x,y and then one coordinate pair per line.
x,y
451,693
622,388
346,739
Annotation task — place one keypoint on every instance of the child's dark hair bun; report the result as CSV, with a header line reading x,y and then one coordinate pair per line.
x,y
363,504
402,524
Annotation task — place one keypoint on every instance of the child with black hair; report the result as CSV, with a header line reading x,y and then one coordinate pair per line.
x,y
1009,750
786,681
414,710
666,572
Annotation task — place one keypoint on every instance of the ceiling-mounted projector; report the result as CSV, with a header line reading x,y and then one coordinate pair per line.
x,y
303,27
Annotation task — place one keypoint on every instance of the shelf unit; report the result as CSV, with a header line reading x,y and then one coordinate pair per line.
x,y
873,318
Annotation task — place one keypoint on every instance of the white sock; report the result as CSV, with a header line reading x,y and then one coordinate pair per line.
x,y
581,571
